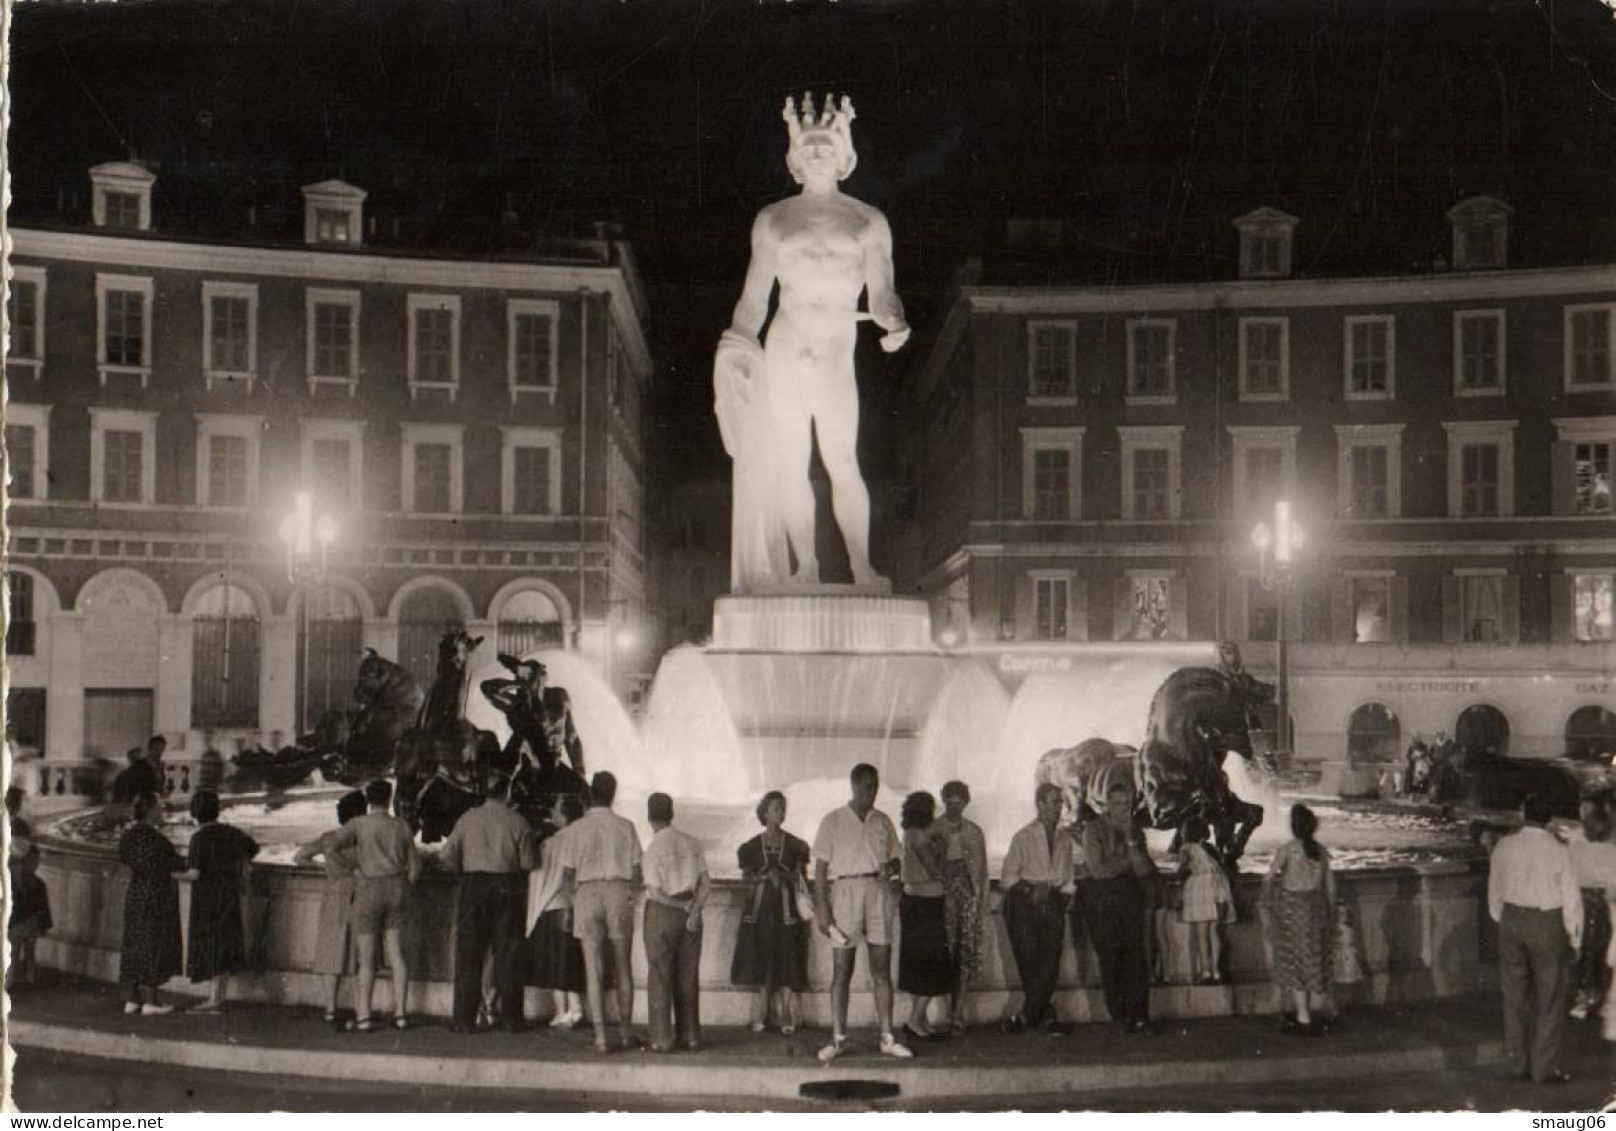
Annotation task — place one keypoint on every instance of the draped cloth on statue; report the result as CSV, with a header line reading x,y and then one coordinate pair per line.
x,y
759,554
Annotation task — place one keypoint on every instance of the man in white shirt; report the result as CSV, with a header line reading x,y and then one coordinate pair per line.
x,y
1038,879
1532,895
601,865
676,887
857,855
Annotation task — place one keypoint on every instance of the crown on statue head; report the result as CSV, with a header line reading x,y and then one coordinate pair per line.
x,y
837,119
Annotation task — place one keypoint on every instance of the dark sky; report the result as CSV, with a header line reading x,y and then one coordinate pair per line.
x,y
1147,125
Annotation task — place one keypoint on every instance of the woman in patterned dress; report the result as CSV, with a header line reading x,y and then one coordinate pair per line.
x,y
965,894
1299,896
219,856
771,948
333,946
152,950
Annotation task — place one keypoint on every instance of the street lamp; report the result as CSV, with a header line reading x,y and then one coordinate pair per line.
x,y
308,546
1276,556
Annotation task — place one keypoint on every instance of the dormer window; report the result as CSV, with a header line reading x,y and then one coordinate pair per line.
x,y
332,214
1480,233
121,196
1265,244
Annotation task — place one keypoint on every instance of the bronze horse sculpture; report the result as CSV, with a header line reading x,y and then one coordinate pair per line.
x,y
1197,717
438,762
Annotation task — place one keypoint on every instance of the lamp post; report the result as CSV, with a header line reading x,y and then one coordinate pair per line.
x,y
308,545
1276,556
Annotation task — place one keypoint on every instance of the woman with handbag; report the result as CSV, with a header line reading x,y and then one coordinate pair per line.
x,y
771,950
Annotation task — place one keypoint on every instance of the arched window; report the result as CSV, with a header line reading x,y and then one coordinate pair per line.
x,y
329,656
1591,733
1373,734
529,621
1482,730
423,618
224,659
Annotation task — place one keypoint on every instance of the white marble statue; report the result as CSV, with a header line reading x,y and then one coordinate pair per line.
x,y
823,248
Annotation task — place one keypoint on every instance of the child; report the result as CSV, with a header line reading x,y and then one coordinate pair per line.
x,y
30,914
1207,902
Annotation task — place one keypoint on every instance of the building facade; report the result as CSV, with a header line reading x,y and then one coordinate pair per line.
x,y
464,434
1091,461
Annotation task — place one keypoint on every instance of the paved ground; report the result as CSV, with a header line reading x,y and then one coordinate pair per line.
x,y
1109,1072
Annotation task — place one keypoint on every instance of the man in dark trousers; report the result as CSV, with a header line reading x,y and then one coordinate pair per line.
x,y
492,846
1532,895
1037,880
676,887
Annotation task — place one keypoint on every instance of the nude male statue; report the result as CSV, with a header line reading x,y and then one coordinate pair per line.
x,y
823,248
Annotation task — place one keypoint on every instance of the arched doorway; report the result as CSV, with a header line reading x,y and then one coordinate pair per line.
x,y
329,652
224,659
1590,732
1374,735
1482,729
529,621
423,618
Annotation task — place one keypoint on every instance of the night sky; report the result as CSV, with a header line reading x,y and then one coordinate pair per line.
x,y
1146,126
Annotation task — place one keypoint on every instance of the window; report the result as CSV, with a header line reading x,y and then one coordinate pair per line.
x,y
432,468
1150,471
224,659
334,635
1265,243
229,330
124,328
1591,604
1371,598
1482,608
1480,233
1151,607
28,449
227,460
532,471
1592,463
531,365
1051,598
1266,254
434,350
1589,347
1262,611
1264,359
333,459
1478,352
1374,735
432,477
121,196
1481,469
332,214
25,316
1371,345
527,622
1052,361
424,615
123,444
333,344
1264,466
20,626
1370,470
1150,361
1051,458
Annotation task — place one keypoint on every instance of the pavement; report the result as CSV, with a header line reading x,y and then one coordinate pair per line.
x,y
74,1043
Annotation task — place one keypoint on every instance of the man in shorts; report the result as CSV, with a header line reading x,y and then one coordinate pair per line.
x,y
600,869
387,870
857,856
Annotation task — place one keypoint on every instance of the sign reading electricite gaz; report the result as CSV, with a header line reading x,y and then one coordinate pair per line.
x,y
1430,686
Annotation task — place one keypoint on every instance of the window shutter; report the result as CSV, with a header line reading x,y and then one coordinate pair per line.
x,y
1561,629
1235,609
1452,613
1077,610
1026,608
1178,608
1342,629
1400,610
1122,608
1511,612
1563,478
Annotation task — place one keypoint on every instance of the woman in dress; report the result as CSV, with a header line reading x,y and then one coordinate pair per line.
x,y
152,950
1207,903
771,948
1299,897
333,948
555,957
220,855
965,895
925,967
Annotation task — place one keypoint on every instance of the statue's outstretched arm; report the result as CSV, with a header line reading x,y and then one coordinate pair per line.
x,y
885,306
753,306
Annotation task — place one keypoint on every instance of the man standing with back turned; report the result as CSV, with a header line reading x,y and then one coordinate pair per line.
x,y
1532,895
